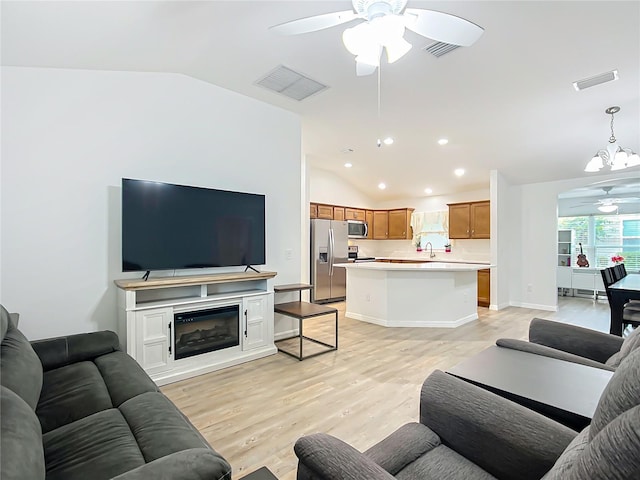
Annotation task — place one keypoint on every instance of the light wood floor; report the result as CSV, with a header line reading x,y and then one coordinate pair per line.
x,y
253,413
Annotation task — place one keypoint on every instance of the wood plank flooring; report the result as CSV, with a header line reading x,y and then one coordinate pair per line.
x,y
253,413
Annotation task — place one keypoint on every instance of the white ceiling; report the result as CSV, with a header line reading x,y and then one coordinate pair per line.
x,y
505,103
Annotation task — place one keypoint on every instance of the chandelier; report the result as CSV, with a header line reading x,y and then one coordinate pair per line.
x,y
614,156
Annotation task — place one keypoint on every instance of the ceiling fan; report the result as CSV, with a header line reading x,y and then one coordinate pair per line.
x,y
383,27
609,204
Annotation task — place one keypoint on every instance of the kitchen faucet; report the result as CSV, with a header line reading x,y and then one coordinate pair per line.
x,y
431,254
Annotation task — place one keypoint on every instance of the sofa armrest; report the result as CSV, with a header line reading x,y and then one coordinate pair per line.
x,y
504,438
61,351
543,350
580,341
327,458
192,464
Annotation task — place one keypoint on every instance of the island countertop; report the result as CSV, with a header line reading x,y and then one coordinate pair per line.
x,y
416,267
424,257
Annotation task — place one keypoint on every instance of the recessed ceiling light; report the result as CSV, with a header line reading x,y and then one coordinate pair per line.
x,y
348,165
388,141
443,141
428,191
382,186
459,172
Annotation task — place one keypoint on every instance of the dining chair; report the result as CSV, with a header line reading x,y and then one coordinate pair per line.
x,y
617,275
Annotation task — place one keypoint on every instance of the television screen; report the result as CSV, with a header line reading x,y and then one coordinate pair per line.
x,y
166,227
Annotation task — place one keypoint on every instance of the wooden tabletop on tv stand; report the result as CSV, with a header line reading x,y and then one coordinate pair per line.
x,y
177,281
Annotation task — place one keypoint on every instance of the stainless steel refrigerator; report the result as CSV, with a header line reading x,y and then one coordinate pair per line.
x,y
329,240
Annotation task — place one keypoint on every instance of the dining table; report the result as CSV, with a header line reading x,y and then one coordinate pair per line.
x,y
620,292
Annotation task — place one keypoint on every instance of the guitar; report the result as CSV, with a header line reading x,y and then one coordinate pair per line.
x,y
582,258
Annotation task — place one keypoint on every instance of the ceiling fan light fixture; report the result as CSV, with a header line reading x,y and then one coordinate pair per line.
x,y
608,208
397,49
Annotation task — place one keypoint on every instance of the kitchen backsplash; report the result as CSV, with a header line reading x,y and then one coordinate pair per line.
x,y
461,250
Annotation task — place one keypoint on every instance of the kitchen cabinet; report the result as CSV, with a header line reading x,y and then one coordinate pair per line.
x,y
399,222
354,214
380,225
484,287
313,210
470,220
338,213
325,211
368,215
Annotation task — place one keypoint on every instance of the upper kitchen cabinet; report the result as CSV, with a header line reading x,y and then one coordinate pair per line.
x,y
368,215
380,225
354,214
313,210
338,213
470,220
400,224
325,211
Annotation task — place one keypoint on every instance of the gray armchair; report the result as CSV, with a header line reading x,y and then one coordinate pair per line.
x,y
468,433
575,344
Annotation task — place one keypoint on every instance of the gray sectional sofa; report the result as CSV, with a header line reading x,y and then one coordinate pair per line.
x,y
467,433
575,344
78,407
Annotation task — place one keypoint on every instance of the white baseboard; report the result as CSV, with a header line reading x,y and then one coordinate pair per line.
x,y
535,306
426,323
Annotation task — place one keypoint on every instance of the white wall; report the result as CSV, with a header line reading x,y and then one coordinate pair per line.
x,y
69,136
500,241
532,235
326,187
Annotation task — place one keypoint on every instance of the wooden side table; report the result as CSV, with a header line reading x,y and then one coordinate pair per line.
x,y
303,310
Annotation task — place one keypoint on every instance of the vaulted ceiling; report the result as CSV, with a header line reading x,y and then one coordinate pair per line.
x,y
506,102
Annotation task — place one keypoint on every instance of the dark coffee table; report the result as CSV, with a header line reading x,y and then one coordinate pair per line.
x,y
565,391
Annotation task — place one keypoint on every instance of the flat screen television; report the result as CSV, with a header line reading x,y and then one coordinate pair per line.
x,y
166,227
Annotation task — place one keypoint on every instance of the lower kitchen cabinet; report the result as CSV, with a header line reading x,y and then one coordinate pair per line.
x,y
484,287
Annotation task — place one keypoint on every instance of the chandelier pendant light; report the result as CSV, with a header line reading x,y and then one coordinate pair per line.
x,y
613,156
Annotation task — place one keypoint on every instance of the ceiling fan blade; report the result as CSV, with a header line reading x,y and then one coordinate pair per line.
x,y
363,69
443,27
311,24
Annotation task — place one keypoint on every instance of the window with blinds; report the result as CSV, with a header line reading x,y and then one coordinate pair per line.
x,y
603,236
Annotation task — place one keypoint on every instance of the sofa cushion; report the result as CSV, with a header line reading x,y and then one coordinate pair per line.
x,y
613,454
20,367
98,447
442,462
124,377
71,393
192,464
621,393
569,457
159,427
20,440
628,345
403,446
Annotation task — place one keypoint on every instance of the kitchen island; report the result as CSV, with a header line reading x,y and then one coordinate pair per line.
x,y
428,294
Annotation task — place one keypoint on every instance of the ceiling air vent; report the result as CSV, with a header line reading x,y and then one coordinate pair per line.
x,y
291,84
597,80
439,49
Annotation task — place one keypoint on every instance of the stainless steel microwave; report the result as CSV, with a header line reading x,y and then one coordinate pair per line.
x,y
357,229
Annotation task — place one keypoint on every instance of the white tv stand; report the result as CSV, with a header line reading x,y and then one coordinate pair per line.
x,y
146,312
